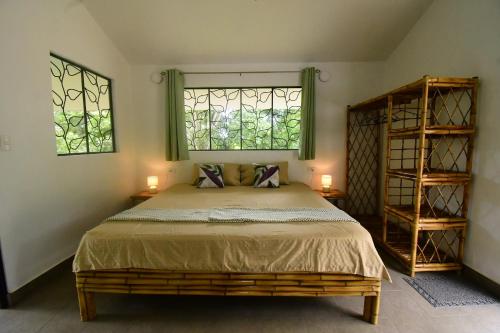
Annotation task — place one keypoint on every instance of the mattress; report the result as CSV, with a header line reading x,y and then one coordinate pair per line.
x,y
326,247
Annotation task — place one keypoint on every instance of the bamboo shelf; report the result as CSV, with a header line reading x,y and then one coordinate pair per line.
x,y
428,129
433,175
431,130
433,247
427,214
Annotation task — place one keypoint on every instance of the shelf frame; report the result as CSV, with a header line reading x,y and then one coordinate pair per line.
x,y
436,115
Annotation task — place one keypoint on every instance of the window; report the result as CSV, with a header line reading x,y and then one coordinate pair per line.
x,y
243,118
82,105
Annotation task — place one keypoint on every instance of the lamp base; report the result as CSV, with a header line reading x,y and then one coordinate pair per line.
x,y
153,190
326,189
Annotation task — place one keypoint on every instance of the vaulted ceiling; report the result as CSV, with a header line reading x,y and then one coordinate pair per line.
x,y
239,31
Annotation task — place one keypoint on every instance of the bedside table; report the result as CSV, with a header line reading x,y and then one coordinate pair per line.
x,y
141,197
334,196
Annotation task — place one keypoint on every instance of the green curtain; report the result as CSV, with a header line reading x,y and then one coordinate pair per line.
x,y
176,142
308,118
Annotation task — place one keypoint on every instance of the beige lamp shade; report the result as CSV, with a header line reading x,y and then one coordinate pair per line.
x,y
326,182
153,184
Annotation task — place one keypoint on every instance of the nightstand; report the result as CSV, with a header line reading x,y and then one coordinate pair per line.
x,y
334,196
141,197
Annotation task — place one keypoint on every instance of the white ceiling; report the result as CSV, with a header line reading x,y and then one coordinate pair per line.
x,y
253,31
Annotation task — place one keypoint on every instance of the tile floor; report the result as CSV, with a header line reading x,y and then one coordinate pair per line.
x,y
52,307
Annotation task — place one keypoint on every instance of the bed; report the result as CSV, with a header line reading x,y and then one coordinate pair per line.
x,y
230,259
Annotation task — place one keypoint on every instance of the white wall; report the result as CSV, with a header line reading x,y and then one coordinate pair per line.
x,y
462,38
46,201
349,82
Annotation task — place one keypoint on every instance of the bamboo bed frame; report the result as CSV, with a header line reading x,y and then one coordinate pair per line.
x,y
164,282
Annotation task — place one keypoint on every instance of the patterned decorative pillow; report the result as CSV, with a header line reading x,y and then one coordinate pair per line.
x,y
267,176
210,175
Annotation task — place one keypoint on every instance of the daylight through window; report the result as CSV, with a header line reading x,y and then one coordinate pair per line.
x,y
82,106
243,118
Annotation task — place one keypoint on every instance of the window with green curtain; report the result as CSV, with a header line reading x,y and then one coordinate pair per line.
x,y
251,118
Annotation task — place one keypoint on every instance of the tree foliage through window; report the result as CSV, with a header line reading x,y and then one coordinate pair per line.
x,y
243,118
82,106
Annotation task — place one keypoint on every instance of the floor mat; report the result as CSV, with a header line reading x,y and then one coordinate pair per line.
x,y
449,289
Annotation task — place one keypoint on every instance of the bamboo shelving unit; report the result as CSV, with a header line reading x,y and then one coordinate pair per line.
x,y
428,162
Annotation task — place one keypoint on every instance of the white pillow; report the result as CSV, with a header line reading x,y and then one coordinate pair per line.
x,y
267,176
210,175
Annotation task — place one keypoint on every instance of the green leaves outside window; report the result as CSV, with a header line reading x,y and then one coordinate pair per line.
x,y
82,107
243,118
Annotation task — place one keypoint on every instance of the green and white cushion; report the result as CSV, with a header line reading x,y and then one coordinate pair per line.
x,y
210,175
267,176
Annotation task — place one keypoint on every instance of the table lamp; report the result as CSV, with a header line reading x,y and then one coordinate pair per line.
x,y
326,182
153,184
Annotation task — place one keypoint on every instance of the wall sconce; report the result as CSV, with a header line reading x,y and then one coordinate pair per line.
x,y
326,182
153,184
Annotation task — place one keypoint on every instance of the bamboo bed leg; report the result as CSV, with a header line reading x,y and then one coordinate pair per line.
x,y
87,305
375,309
371,309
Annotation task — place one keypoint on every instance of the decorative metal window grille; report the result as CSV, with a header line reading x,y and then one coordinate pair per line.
x,y
83,110
243,118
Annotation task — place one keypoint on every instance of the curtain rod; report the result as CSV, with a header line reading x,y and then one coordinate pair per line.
x,y
322,75
163,73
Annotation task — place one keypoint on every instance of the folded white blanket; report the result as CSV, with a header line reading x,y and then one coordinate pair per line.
x,y
235,215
